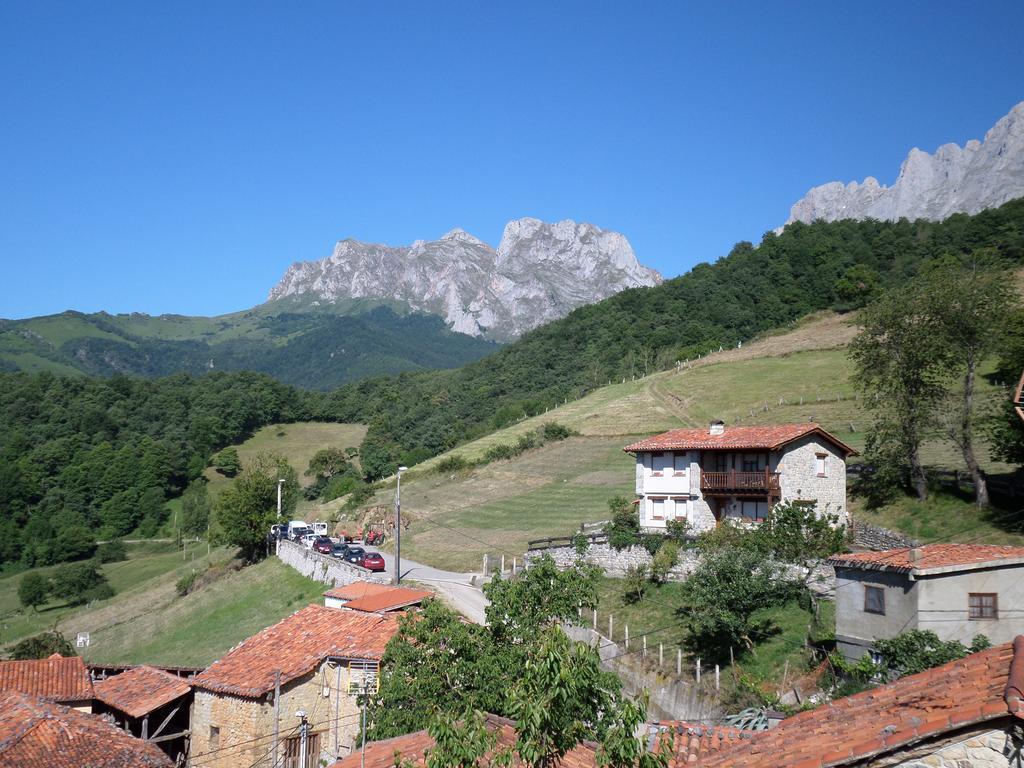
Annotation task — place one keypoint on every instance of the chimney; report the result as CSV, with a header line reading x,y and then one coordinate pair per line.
x,y
914,555
717,428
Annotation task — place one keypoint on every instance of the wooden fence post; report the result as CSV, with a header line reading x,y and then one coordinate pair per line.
x,y
610,635
595,619
716,677
645,646
698,671
661,655
627,637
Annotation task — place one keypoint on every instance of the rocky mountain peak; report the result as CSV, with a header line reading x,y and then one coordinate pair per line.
x,y
538,273
968,179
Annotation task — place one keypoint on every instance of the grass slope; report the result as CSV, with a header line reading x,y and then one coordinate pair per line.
x,y
802,374
146,621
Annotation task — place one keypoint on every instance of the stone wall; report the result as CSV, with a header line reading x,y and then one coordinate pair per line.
x,y
249,723
799,481
614,562
873,537
986,750
326,570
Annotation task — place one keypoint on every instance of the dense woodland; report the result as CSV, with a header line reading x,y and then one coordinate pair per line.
x,y
84,458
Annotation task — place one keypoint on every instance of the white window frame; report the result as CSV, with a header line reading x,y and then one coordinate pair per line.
x,y
655,500
820,464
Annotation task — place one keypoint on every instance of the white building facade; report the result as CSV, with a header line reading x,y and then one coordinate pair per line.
x,y
705,476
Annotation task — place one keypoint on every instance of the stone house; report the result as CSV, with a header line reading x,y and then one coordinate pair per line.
x,y
705,476
60,679
965,713
956,590
245,705
35,732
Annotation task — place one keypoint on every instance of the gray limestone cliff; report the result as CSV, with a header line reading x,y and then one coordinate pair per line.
x,y
540,272
968,179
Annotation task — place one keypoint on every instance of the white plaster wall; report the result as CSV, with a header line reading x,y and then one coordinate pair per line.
x,y
942,604
855,628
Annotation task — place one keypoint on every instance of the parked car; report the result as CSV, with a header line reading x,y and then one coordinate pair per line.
x,y
323,545
373,561
339,551
308,539
355,555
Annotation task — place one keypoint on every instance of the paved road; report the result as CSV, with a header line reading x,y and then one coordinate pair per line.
x,y
456,588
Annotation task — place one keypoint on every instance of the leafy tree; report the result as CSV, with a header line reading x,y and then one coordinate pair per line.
x,y
664,561
721,597
75,542
622,748
195,508
917,650
435,661
857,286
151,512
562,698
248,507
624,529
113,551
895,360
463,741
1004,427
634,583
327,462
42,646
227,462
78,583
34,590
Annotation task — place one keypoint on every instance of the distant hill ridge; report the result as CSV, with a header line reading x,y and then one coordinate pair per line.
x,y
968,179
539,272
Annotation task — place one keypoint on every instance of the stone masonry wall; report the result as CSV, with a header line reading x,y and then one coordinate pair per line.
x,y
614,562
981,751
875,538
242,720
798,480
326,570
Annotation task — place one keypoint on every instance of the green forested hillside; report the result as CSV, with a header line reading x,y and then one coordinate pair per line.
x,y
293,343
753,289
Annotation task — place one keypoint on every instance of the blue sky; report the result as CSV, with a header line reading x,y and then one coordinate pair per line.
x,y
176,157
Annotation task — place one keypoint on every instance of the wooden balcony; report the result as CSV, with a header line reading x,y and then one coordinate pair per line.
x,y
733,483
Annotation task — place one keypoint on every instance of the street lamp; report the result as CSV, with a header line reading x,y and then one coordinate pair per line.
x,y
397,578
280,482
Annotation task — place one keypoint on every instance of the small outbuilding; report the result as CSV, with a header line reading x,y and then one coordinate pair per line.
x,y
60,679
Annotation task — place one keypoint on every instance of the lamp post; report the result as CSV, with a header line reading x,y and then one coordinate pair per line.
x,y
397,578
303,736
280,482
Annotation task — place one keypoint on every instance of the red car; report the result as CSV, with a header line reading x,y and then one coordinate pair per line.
x,y
323,545
373,561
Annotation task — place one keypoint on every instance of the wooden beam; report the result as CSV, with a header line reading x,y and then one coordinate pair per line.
x,y
163,725
170,736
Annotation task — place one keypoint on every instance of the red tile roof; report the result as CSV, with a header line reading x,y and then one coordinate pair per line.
x,y
931,557
295,647
58,678
913,709
765,438
691,741
356,590
39,734
391,599
414,746
139,691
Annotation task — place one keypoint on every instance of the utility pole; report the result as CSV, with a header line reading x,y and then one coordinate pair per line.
x,y
362,748
397,578
277,714
280,482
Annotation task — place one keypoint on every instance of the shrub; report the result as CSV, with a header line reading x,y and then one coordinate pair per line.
x,y
34,590
581,544
651,542
624,529
79,583
634,583
112,551
42,645
184,585
500,452
227,462
552,431
664,561
453,463
678,530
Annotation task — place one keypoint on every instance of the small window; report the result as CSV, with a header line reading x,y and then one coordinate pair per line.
x,y
658,464
983,605
753,510
679,463
819,464
214,737
657,509
719,462
874,600
754,462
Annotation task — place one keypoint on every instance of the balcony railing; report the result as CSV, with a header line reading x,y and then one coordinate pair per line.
x,y
733,482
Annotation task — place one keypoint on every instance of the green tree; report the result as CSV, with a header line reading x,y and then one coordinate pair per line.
x,y
624,529
621,747
195,508
857,286
664,561
74,542
917,650
42,646
721,597
78,583
227,462
327,462
634,583
248,507
463,741
897,365
563,697
34,590
113,551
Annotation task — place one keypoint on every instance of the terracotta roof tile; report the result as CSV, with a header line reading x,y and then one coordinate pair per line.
x,y
139,691
35,733
765,438
930,556
58,678
414,746
391,599
296,646
689,741
884,719
356,590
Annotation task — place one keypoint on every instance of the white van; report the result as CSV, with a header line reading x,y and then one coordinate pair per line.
x,y
297,529
320,529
